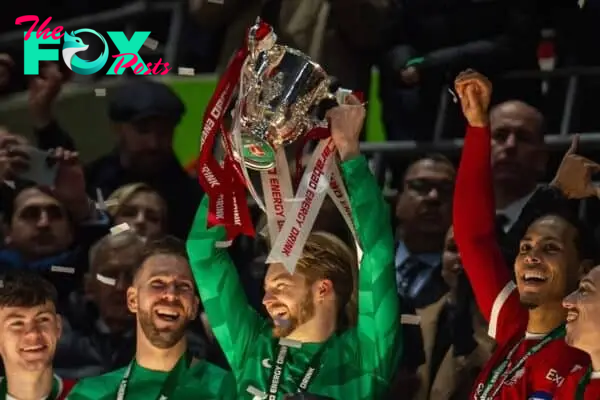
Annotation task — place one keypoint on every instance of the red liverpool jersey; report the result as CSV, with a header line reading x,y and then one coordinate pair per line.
x,y
568,390
474,231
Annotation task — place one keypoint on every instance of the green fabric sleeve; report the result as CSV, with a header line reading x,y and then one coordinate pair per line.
x,y
378,326
234,322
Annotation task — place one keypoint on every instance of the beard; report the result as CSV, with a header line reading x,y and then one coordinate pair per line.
x,y
530,301
302,313
163,338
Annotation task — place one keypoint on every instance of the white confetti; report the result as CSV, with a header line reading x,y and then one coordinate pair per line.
x,y
62,270
115,230
106,280
223,244
10,184
186,71
258,394
220,2
151,43
290,343
100,200
100,92
410,319
454,98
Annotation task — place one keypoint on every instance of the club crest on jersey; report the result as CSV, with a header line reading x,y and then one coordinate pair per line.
x,y
540,396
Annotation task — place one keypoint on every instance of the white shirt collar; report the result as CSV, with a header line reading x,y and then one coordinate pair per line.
x,y
9,397
513,210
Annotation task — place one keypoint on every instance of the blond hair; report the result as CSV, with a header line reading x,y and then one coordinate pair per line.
x,y
325,256
121,196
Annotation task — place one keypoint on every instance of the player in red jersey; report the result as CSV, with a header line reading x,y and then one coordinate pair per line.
x,y
526,319
583,332
29,331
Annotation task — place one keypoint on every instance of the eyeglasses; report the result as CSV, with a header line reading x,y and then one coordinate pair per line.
x,y
423,187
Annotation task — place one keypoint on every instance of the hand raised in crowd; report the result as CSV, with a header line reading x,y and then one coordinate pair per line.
x,y
346,122
69,185
475,92
43,90
13,155
574,175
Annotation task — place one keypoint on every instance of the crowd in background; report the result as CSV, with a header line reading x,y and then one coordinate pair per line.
x,y
418,46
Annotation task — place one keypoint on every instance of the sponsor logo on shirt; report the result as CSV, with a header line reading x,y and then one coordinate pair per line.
x,y
554,377
266,363
540,396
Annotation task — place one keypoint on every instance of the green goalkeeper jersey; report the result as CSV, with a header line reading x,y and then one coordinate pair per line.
x,y
201,381
356,364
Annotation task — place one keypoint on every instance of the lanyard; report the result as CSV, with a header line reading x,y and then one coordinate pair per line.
x,y
583,382
277,371
504,371
168,386
54,392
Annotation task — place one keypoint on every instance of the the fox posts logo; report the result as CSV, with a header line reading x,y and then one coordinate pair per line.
x,y
73,45
127,56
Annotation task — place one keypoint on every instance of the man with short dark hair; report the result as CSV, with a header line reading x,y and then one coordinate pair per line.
x,y
525,318
29,331
423,210
163,298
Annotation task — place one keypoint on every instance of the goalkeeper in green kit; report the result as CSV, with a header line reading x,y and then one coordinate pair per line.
x,y
327,351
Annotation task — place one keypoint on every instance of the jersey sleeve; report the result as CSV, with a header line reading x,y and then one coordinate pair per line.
x,y
474,233
233,320
378,305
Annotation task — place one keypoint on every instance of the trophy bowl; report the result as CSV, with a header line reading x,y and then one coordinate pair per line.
x,y
281,89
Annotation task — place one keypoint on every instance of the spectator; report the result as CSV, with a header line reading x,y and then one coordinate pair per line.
x,y
454,334
423,209
31,328
141,207
41,224
144,114
99,334
436,40
518,160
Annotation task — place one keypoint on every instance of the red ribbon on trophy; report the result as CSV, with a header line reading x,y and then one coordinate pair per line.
x,y
222,182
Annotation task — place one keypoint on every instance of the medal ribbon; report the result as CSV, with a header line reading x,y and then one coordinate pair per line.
x,y
504,371
277,371
55,392
168,386
583,384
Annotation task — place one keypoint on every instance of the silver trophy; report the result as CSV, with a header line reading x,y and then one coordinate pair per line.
x,y
280,92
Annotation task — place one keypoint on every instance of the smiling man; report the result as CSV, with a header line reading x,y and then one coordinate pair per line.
x,y
316,346
164,300
29,331
583,333
526,319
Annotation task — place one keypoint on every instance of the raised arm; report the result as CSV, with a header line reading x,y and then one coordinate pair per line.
x,y
474,216
378,306
234,322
